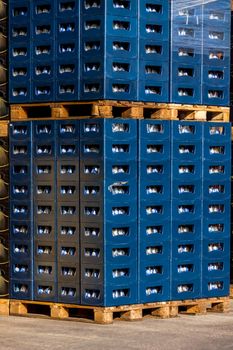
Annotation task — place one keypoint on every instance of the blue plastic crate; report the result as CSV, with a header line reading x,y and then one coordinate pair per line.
x,y
186,53
214,248
156,9
185,73
154,272
94,47
157,190
21,210
187,131
68,212
219,190
67,90
185,210
189,230
67,170
68,8
44,191
187,270
43,28
19,72
216,170
67,148
67,191
186,190
186,289
42,91
21,290
120,274
19,191
67,129
44,149
157,130
215,287
92,26
186,170
44,211
43,10
92,253
45,251
121,89
19,53
45,291
154,29
20,230
92,149
91,89
20,150
119,170
185,93
19,32
152,252
68,293
216,56
157,232
67,28
94,274
217,36
116,8
215,267
152,171
44,170
153,151
187,249
43,50
150,292
93,129
67,231
216,209
18,13
217,132
45,271
68,252
191,16
44,130
187,150
43,70
153,71
21,269
120,254
216,229
123,27
183,34
67,69
215,95
20,93
45,231
153,92
216,76
21,250
68,272
116,47
116,68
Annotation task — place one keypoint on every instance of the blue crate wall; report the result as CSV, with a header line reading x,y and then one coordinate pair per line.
x,y
216,57
186,192
112,36
216,210
44,189
21,211
108,215
154,210
68,211
153,51
186,27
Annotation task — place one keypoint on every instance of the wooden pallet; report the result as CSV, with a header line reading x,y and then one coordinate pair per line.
x,y
3,128
231,291
106,315
4,307
118,109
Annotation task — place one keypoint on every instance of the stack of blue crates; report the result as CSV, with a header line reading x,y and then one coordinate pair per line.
x,y
98,218
154,210
159,51
186,192
200,52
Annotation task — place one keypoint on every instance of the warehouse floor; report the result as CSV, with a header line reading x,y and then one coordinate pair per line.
x,y
208,332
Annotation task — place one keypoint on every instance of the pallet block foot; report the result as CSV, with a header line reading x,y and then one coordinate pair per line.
x,y
174,310
59,111
4,128
133,315
105,111
4,307
103,316
220,307
17,308
161,312
57,311
133,112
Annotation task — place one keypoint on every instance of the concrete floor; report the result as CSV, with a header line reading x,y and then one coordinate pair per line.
x,y
208,332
